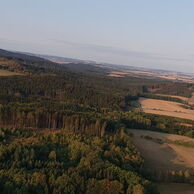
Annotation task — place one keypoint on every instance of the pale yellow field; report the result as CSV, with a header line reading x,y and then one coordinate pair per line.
x,y
162,75
168,108
8,73
117,74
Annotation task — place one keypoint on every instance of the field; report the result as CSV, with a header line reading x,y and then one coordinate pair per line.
x,y
174,157
175,188
168,108
8,73
150,73
160,155
117,74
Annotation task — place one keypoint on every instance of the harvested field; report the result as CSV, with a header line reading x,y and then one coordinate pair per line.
x,y
168,108
117,74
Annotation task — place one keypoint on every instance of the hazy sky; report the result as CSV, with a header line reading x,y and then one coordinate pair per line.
x,y
147,33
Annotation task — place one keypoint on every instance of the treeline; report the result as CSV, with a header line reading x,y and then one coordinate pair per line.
x,y
140,120
73,121
88,120
172,88
172,176
160,97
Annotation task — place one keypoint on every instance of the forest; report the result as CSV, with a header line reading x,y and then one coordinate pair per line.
x,y
63,162
64,127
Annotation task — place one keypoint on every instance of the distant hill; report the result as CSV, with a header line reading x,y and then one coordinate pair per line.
x,y
23,63
59,59
28,63
36,63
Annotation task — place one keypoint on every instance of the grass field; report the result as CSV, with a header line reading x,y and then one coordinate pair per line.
x,y
168,108
175,188
161,154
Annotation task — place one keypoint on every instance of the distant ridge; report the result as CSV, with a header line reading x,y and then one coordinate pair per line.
x,y
111,70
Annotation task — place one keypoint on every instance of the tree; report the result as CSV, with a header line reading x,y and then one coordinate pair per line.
x,y
138,189
53,155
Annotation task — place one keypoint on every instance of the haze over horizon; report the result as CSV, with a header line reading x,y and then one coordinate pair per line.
x,y
144,34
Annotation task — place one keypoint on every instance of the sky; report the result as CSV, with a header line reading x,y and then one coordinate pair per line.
x,y
153,33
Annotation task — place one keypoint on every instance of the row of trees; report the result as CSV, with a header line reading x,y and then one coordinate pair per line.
x,y
176,176
89,121
172,88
